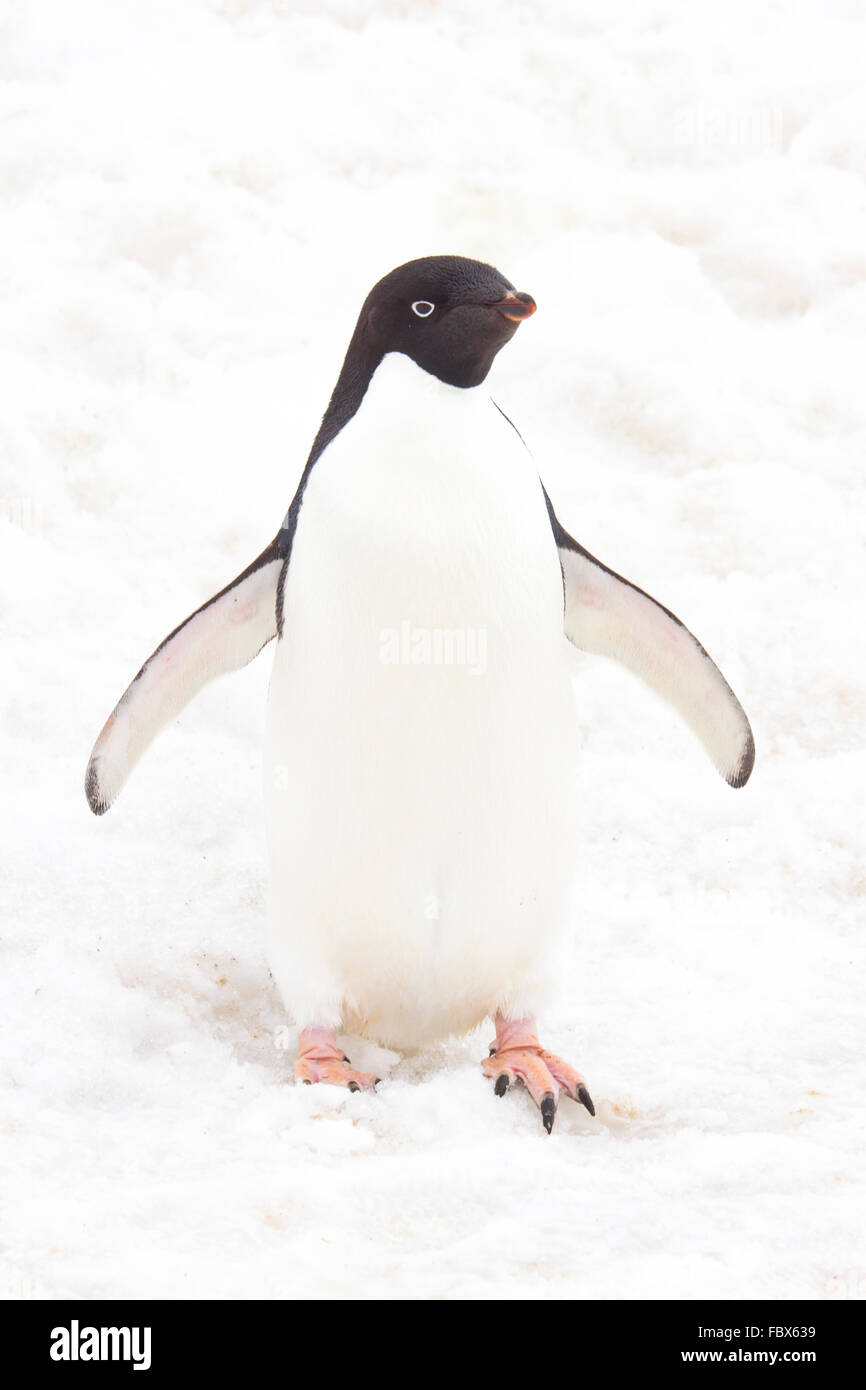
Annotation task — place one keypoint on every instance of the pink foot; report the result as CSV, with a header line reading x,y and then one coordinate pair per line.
x,y
320,1059
517,1055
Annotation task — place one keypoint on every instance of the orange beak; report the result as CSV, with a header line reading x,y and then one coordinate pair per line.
x,y
515,306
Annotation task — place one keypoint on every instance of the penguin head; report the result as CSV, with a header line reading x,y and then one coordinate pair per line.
x,y
449,314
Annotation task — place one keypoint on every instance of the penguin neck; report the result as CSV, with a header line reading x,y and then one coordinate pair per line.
x,y
361,360
362,363
403,384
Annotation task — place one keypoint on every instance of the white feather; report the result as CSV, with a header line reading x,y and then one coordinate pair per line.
x,y
417,813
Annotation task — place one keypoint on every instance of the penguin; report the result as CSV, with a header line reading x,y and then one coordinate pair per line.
x,y
421,751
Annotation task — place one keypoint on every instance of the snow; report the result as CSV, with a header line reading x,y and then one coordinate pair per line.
x,y
196,198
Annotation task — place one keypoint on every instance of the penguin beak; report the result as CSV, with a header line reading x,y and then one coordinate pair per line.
x,y
515,306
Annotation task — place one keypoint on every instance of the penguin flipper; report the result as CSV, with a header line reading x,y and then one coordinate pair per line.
x,y
612,617
223,635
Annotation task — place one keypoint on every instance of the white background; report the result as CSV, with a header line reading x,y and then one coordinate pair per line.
x,y
195,199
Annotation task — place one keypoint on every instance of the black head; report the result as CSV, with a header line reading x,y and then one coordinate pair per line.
x,y
449,314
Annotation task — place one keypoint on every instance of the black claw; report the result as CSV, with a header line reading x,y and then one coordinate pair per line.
x,y
353,1086
492,1051
586,1099
347,1060
501,1084
548,1111
308,1083
376,1081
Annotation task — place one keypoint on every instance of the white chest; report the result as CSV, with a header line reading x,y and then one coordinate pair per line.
x,y
419,714
427,510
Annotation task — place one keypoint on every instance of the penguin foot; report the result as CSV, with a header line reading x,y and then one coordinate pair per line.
x,y
321,1060
517,1056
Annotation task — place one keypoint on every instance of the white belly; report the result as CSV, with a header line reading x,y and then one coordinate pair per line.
x,y
420,724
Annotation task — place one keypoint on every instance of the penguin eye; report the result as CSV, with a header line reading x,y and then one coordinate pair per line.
x,y
423,308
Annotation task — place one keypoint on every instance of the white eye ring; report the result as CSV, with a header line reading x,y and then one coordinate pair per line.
x,y
423,308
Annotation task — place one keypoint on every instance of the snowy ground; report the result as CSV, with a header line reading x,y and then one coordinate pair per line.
x,y
195,198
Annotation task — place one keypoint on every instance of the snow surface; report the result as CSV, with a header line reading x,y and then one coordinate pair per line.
x,y
196,198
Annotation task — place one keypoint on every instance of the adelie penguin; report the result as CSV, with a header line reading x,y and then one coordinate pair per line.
x,y
417,801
